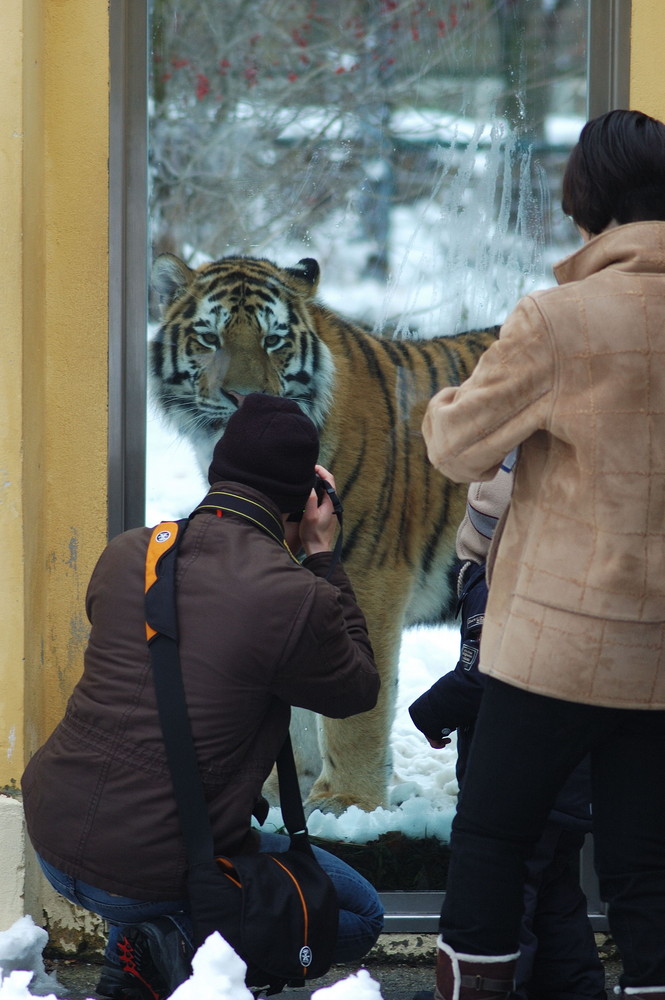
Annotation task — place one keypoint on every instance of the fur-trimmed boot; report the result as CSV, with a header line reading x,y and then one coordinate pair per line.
x,y
473,977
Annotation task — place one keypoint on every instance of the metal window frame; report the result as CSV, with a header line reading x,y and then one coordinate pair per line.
x,y
128,245
608,55
608,72
419,912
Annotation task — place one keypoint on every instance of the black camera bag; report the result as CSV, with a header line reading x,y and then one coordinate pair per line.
x,y
275,910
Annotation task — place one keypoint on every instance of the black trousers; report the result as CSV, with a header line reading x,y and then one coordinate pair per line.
x,y
558,955
524,747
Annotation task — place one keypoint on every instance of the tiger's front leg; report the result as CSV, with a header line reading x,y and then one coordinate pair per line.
x,y
356,753
357,764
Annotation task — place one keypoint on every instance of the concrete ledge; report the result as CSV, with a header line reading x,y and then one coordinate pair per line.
x,y
420,949
24,890
12,860
404,949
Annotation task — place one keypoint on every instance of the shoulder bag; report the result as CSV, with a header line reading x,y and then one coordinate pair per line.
x,y
278,911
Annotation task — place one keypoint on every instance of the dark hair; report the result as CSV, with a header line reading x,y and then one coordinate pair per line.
x,y
616,172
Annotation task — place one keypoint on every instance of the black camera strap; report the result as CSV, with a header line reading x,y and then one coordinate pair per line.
x,y
251,510
162,637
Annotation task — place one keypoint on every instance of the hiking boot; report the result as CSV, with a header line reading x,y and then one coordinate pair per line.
x,y
114,984
154,960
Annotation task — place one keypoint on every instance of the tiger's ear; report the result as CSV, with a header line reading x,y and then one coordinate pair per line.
x,y
306,270
170,277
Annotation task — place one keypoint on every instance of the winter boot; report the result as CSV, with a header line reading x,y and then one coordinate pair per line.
x,y
154,960
473,977
115,984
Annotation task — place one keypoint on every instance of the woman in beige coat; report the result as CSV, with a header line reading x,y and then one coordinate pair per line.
x,y
574,636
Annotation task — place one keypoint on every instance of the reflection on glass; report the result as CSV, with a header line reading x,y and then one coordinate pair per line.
x,y
415,150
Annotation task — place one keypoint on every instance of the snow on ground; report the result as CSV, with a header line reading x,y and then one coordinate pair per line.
x,y
217,972
423,790
21,962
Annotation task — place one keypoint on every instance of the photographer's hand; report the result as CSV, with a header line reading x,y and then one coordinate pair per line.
x,y
319,524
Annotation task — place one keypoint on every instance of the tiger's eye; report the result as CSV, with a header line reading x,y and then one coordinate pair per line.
x,y
210,339
272,340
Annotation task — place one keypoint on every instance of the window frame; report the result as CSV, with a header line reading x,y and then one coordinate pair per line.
x,y
128,264
608,74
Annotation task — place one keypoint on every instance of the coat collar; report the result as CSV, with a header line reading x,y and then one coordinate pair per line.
x,y
635,247
248,492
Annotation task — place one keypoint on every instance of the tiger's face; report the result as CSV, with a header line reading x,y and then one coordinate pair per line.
x,y
235,326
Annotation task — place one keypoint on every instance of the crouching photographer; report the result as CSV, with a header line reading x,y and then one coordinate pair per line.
x,y
258,632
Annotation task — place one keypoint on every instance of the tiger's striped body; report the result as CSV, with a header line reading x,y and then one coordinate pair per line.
x,y
242,325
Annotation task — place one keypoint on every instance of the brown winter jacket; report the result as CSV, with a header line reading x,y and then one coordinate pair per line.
x,y
258,633
576,606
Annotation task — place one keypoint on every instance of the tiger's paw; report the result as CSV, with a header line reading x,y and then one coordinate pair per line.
x,y
336,804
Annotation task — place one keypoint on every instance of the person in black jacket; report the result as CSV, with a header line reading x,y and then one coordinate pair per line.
x,y
558,955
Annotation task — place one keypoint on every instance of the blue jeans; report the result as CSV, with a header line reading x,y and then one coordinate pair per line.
x,y
524,747
360,913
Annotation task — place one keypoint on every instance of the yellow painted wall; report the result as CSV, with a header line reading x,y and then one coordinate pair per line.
x,y
647,80
54,82
11,324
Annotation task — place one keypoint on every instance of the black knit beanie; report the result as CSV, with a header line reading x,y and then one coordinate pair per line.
x,y
271,445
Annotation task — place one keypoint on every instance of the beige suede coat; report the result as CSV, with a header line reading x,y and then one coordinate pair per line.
x,y
577,380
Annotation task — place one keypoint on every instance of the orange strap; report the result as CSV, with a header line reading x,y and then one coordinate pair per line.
x,y
162,539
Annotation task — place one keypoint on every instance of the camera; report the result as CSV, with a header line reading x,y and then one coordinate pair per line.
x,y
321,487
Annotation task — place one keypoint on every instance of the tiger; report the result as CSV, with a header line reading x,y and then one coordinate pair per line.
x,y
242,324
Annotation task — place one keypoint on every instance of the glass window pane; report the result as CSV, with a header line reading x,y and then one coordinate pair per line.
x,y
415,151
